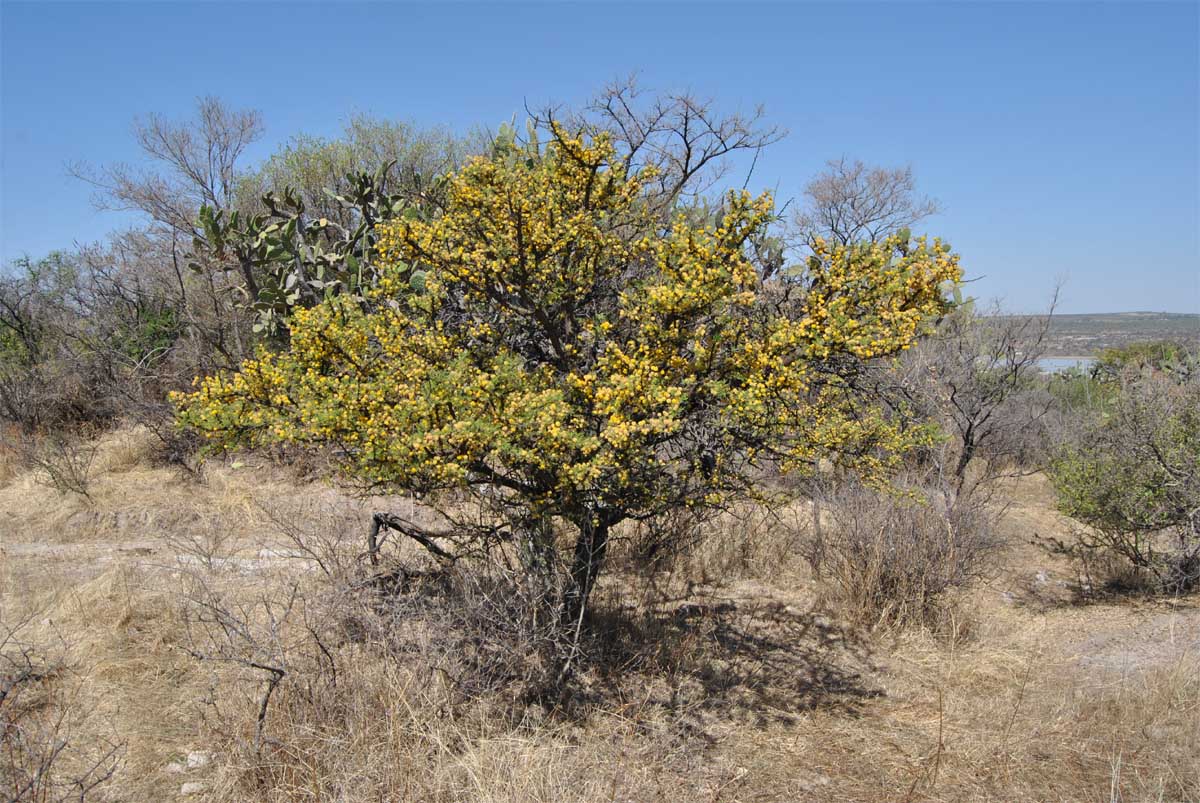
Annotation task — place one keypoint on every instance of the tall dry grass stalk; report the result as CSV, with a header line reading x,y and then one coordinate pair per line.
x,y
897,558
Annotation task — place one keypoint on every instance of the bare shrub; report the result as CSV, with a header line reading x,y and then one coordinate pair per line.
x,y
43,380
690,545
751,541
176,448
486,629
249,636
1099,569
41,760
977,377
466,630
481,620
326,536
894,556
301,676
651,546
392,680
203,540
64,462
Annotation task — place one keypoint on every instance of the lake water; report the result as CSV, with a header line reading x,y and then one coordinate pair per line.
x,y
1052,365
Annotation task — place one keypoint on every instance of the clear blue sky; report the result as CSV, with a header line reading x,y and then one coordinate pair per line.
x,y
1062,138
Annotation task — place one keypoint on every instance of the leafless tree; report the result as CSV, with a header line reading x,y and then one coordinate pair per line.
x,y
194,163
978,377
683,137
852,202
191,164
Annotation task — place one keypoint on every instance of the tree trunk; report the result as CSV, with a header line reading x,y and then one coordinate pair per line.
x,y
818,550
586,563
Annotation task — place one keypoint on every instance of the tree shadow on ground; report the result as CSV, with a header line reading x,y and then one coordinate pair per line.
x,y
756,661
1044,591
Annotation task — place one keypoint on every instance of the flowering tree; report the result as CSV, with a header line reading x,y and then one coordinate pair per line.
x,y
559,348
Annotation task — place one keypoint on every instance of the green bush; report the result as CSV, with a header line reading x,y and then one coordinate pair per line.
x,y
1158,355
1078,391
1133,478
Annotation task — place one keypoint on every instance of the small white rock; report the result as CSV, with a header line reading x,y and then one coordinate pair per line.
x,y
192,788
174,768
196,760
812,782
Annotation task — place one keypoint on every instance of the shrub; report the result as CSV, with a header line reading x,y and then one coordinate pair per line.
x,y
570,359
90,336
1169,356
894,556
64,462
38,384
1133,478
1079,393
41,758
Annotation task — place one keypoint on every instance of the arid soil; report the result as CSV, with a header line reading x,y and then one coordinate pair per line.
x,y
1028,695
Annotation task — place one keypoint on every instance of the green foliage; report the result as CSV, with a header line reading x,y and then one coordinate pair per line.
x,y
317,169
293,260
965,305
1079,392
301,227
1093,391
89,335
1133,477
29,296
153,330
35,386
570,356
1159,355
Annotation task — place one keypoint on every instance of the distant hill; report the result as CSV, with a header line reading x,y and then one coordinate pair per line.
x,y
1084,335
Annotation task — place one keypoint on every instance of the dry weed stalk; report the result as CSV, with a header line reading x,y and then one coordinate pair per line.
x,y
42,758
249,635
894,557
64,462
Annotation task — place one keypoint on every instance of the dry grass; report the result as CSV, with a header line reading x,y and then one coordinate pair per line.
x,y
124,450
902,561
1011,718
10,461
724,680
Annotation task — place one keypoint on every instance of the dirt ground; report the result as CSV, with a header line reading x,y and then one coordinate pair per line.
x,y
1036,697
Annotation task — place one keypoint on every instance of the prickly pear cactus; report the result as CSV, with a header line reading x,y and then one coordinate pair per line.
x,y
289,259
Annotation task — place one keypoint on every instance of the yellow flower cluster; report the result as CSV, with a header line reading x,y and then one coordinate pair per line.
x,y
573,349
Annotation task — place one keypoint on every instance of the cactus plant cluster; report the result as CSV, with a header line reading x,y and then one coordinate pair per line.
x,y
290,259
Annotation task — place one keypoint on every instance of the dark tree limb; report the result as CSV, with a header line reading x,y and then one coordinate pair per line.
x,y
404,527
